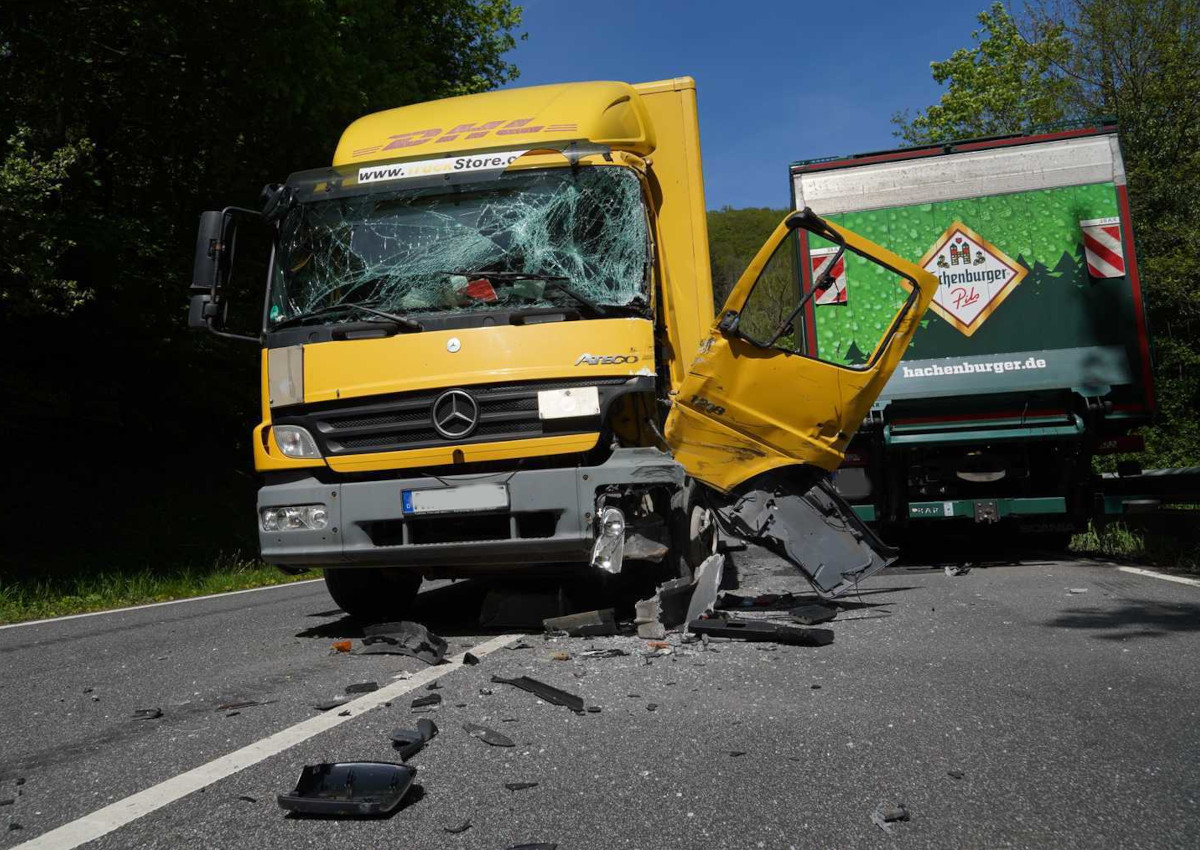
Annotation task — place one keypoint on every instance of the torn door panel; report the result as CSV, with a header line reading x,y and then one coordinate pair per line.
x,y
807,523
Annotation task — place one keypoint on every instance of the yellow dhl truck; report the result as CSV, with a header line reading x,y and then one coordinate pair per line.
x,y
489,348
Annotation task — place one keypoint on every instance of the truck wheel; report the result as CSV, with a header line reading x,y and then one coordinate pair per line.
x,y
693,530
373,595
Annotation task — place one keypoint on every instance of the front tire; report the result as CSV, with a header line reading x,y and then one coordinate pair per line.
x,y
693,530
375,594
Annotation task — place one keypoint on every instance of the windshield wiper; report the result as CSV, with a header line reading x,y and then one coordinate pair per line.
x,y
403,321
553,281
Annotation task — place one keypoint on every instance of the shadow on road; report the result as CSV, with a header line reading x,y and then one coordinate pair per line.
x,y
1132,619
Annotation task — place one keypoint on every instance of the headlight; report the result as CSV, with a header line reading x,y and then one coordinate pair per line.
x,y
295,517
294,441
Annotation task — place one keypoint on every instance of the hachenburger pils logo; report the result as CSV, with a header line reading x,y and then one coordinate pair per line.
x,y
974,274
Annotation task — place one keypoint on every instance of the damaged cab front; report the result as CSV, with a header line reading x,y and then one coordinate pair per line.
x,y
762,420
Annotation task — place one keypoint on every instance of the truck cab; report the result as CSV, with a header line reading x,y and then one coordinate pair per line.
x,y
488,348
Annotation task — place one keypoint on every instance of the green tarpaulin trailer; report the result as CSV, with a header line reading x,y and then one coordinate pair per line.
x,y
1035,355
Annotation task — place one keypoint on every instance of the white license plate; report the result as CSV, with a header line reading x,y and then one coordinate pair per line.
x,y
452,500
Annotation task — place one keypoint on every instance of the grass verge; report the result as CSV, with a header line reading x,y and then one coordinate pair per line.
x,y
36,597
1170,544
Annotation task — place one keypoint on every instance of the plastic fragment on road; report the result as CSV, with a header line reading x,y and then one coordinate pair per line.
x,y
886,814
761,630
362,688
403,638
957,569
342,645
611,652
549,693
458,828
409,742
708,585
519,786
246,703
469,659
427,701
349,789
560,656
488,736
813,614
1077,590
335,702
586,624
147,714
955,774
666,609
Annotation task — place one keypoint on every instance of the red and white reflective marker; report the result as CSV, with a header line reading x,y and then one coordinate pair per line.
x,y
820,258
1102,245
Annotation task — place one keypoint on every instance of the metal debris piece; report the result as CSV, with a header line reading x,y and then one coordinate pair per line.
x,y
586,624
549,693
362,688
813,614
349,789
328,704
958,569
611,652
458,828
469,660
519,786
761,630
409,742
427,700
708,585
403,638
886,814
486,692
147,714
488,736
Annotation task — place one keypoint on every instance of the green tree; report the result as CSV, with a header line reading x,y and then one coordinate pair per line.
x,y
734,237
1004,84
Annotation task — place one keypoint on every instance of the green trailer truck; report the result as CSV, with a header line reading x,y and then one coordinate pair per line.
x,y
1035,355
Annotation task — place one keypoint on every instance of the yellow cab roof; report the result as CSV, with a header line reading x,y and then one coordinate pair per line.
x,y
604,113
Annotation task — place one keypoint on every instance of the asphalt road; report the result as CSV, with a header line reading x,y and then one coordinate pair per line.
x,y
1071,719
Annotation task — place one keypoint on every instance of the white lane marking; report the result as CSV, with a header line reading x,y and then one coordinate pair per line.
x,y
1151,574
157,604
112,817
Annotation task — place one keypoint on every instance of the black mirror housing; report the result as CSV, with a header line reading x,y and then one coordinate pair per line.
x,y
201,311
214,239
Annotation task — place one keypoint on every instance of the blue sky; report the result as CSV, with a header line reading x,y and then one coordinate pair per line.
x,y
776,81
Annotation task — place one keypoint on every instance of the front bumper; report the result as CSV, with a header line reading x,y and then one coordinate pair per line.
x,y
549,519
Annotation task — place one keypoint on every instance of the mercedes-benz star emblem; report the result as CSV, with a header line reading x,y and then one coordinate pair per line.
x,y
455,414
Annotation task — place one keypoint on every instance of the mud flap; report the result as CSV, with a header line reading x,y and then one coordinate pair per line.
x,y
799,516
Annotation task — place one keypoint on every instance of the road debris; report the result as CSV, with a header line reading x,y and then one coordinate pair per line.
x,y
247,703
488,736
542,846
470,660
349,789
886,814
666,609
955,774
458,828
362,688
427,701
586,624
147,714
342,645
335,702
246,798
409,742
652,706
433,686
1077,590
958,569
548,693
519,786
611,652
812,614
708,585
403,638
560,656
761,630
7,801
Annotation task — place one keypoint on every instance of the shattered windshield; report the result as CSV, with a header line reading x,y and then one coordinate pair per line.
x,y
557,237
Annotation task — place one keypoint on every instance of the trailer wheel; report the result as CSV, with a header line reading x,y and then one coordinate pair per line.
x,y
373,595
693,530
